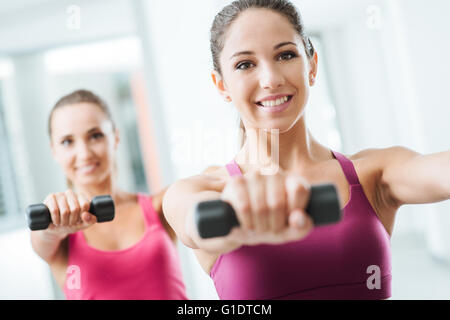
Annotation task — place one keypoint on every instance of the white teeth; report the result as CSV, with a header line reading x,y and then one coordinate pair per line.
x,y
273,103
86,168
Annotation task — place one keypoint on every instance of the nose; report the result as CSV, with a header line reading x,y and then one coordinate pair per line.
x,y
271,77
83,151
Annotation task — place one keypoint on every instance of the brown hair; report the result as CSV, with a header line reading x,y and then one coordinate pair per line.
x,y
80,96
229,14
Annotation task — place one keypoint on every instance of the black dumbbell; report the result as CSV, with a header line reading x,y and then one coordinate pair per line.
x,y
216,218
38,215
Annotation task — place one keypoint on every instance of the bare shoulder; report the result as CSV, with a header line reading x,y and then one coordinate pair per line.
x,y
377,162
386,162
371,166
384,156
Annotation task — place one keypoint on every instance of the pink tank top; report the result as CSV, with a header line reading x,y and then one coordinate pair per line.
x,y
347,260
148,270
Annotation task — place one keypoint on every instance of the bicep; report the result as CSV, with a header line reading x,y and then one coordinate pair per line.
x,y
412,178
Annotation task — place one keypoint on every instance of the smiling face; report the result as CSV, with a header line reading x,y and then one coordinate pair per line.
x,y
83,142
265,70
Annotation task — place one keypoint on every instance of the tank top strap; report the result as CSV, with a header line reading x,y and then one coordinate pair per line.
x,y
233,168
347,167
150,215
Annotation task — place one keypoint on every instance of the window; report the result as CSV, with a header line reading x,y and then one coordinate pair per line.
x,y
9,202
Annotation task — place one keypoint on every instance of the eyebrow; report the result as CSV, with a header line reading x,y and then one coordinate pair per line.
x,y
251,52
94,129
88,132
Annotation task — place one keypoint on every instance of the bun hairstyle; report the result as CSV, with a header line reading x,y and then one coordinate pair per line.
x,y
230,12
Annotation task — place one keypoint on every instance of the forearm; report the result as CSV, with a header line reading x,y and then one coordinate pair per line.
x,y
45,244
178,206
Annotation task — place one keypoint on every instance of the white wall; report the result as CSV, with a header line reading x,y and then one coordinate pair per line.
x,y
23,275
427,48
39,26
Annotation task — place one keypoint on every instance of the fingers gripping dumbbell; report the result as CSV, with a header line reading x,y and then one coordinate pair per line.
x,y
216,218
38,215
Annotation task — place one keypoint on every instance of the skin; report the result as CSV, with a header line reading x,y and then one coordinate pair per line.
x,y
81,135
247,78
275,63
268,72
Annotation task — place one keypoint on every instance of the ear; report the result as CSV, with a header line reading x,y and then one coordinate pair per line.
x,y
313,69
220,85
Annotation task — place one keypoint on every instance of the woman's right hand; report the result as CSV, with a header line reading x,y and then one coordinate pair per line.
x,y
69,213
270,208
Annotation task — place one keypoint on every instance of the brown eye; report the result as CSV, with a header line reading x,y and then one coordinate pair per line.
x,y
244,65
97,136
288,55
66,142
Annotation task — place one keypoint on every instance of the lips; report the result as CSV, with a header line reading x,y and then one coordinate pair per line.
x,y
273,101
87,168
279,106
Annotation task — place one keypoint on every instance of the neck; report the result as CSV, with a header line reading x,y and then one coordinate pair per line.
x,y
293,150
104,188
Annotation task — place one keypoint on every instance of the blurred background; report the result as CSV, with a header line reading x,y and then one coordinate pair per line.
x,y
383,78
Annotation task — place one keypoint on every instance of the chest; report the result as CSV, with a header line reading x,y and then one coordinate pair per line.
x,y
126,230
332,256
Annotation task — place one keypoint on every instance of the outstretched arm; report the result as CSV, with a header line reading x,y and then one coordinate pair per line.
x,y
412,178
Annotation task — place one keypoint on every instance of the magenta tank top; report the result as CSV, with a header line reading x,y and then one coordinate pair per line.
x,y
347,260
148,270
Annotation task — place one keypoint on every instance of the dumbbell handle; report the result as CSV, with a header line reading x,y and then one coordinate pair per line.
x,y
216,218
39,218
